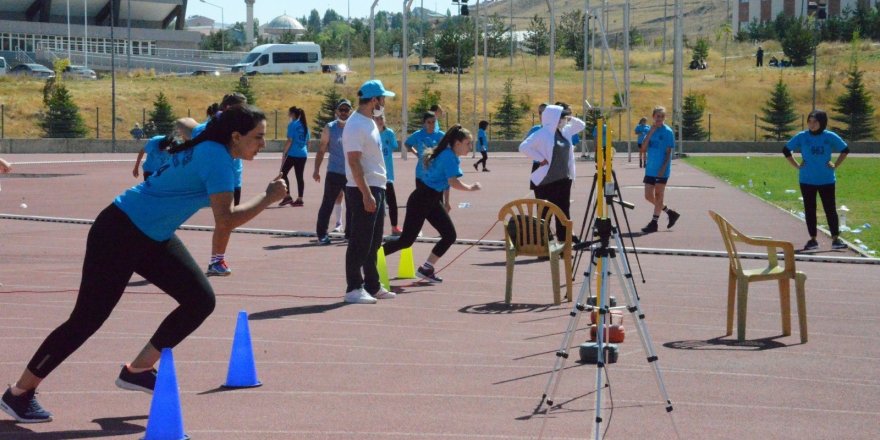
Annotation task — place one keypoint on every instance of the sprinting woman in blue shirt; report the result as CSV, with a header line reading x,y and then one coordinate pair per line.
x,y
135,234
816,173
442,170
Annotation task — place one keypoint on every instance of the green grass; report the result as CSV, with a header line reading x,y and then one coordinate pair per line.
x,y
773,179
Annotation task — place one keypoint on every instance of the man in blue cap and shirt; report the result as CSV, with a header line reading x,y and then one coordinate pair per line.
x,y
365,195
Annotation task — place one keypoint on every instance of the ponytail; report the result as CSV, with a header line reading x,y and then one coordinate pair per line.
x,y
455,134
241,119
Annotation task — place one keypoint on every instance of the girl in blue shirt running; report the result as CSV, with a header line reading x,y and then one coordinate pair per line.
x,y
430,200
296,151
135,234
816,173
482,145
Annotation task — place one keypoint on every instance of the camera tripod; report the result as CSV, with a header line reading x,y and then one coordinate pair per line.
x,y
603,257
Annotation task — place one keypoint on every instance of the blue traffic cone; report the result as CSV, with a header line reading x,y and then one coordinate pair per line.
x,y
166,419
242,371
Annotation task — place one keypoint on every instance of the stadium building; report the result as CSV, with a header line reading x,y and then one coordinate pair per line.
x,y
147,34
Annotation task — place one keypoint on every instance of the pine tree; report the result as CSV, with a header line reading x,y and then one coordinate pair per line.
x,y
537,37
162,117
509,113
692,117
779,114
244,87
327,112
62,119
854,106
423,104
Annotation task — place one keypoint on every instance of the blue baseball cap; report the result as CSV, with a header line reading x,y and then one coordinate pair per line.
x,y
372,89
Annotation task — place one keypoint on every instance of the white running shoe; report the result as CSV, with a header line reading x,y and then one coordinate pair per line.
x,y
384,294
359,296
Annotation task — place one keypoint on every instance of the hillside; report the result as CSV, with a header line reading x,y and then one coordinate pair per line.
x,y
700,17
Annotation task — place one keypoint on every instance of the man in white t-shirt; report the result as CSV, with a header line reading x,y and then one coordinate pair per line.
x,y
365,195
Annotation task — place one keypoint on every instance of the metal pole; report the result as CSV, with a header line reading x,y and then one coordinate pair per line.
x,y
552,47
678,64
404,111
626,79
665,17
373,39
128,44
97,122
68,31
710,127
476,57
485,67
276,124
511,34
86,33
422,30
2,120
815,62
112,81
348,40
756,129
584,85
458,74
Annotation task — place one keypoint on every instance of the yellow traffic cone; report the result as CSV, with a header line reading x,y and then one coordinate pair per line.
x,y
406,268
382,267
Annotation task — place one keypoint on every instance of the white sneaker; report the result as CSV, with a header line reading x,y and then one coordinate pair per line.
x,y
359,296
384,294
338,228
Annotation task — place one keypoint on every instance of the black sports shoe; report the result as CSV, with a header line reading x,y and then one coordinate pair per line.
x,y
428,275
144,381
24,408
673,217
837,243
652,227
475,167
811,245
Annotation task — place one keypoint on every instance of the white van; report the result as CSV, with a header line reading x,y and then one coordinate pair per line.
x,y
300,57
3,66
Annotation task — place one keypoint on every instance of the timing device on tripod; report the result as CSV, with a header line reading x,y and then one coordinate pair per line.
x,y
605,247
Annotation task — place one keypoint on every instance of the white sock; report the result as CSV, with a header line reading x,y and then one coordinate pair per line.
x,y
337,212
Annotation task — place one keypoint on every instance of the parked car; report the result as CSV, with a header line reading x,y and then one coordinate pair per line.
x,y
431,67
35,70
206,72
79,72
3,66
334,68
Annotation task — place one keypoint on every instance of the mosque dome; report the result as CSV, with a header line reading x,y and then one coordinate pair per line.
x,y
284,23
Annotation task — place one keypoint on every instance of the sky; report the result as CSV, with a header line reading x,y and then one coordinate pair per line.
x,y
266,10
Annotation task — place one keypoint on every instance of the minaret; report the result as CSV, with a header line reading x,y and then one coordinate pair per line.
x,y
249,25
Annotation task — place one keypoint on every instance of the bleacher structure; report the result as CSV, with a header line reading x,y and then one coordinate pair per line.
x,y
147,34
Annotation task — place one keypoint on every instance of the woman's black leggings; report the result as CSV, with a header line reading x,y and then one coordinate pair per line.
x,y
298,164
115,249
391,200
829,204
424,204
559,193
483,160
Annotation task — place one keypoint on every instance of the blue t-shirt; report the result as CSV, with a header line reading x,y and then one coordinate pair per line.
x,y
422,140
179,188
816,153
198,129
642,130
239,164
482,141
444,167
299,136
389,146
336,162
662,140
608,140
155,156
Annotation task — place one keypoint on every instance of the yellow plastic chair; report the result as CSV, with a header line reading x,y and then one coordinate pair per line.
x,y
739,278
527,233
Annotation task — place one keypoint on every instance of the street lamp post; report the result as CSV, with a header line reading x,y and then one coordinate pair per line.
x,y
222,20
373,39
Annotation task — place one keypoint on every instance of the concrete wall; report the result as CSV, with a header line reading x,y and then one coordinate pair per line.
x,y
24,146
